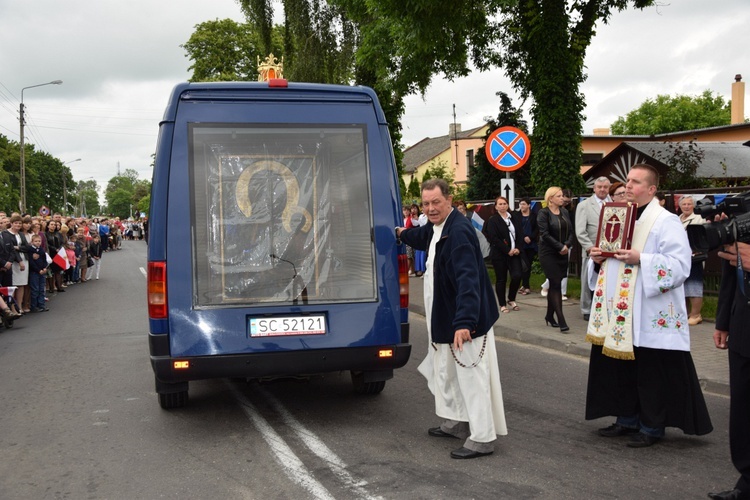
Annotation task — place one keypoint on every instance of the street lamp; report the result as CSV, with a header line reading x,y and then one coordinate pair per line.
x,y
23,152
65,188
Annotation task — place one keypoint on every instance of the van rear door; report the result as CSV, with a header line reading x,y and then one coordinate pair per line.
x,y
280,211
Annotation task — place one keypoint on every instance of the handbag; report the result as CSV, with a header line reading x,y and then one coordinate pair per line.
x,y
90,261
524,263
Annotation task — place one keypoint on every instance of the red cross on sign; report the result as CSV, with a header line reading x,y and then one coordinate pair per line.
x,y
507,149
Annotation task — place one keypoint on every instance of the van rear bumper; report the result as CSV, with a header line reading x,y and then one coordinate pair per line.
x,y
280,363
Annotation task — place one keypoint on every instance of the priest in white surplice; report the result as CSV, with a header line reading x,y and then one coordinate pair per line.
x,y
641,370
461,364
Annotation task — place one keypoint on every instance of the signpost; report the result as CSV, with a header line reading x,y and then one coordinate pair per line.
x,y
508,189
507,149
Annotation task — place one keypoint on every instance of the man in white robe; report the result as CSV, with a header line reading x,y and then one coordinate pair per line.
x,y
461,363
641,370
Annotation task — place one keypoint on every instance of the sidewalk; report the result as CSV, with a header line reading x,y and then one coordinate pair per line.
x,y
527,326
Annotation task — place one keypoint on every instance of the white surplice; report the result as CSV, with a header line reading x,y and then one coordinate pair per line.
x,y
472,394
659,313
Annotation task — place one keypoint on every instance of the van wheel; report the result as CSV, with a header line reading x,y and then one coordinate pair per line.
x,y
367,388
173,400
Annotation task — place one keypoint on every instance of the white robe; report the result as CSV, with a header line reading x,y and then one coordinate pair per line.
x,y
471,395
659,314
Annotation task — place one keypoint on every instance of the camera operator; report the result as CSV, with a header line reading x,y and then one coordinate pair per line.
x,y
732,317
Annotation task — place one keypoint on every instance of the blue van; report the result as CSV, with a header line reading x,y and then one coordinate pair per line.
x,y
271,245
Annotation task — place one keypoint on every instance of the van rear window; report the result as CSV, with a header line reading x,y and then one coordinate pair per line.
x,y
281,214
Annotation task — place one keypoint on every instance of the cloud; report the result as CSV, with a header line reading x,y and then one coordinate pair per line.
x,y
119,61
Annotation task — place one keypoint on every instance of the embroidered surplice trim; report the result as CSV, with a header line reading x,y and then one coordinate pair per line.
x,y
668,320
613,324
663,278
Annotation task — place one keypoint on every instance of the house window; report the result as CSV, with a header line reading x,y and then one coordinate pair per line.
x,y
469,162
591,158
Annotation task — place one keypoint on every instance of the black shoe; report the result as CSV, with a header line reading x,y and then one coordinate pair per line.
x,y
616,430
564,328
439,433
551,322
642,440
7,318
467,453
734,494
586,317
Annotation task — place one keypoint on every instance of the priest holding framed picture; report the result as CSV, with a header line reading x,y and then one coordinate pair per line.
x,y
641,370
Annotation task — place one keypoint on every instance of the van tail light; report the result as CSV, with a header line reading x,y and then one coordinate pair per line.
x,y
157,290
403,280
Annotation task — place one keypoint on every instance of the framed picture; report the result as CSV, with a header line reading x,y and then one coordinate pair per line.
x,y
616,225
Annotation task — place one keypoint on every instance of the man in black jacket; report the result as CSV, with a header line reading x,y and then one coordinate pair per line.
x,y
732,317
461,364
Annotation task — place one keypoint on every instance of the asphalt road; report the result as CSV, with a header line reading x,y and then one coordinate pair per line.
x,y
79,419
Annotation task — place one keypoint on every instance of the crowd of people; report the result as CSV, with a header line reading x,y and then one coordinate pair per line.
x,y
43,256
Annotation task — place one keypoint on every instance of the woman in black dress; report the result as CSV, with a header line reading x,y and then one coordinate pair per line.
x,y
556,237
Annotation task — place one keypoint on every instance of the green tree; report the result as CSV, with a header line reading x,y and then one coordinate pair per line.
x,y
317,38
127,183
321,42
414,190
484,179
223,50
87,197
402,188
9,165
544,45
119,203
439,169
143,204
673,114
683,160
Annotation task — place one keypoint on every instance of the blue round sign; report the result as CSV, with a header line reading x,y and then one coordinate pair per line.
x,y
507,149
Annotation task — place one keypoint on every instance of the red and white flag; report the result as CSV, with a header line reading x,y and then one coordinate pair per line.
x,y
61,259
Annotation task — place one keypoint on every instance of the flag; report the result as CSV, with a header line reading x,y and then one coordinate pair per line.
x,y
61,259
8,291
477,221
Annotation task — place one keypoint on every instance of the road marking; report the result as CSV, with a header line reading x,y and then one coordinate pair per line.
x,y
143,272
319,448
282,453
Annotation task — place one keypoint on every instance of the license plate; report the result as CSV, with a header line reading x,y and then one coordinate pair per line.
x,y
279,326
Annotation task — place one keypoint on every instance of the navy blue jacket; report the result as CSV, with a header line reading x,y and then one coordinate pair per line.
x,y
463,293
36,265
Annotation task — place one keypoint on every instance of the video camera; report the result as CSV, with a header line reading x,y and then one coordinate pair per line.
x,y
707,237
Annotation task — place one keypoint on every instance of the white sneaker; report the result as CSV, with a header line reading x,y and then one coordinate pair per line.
x,y
97,277
544,292
565,297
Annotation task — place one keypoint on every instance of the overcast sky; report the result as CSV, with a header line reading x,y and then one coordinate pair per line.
x,y
119,61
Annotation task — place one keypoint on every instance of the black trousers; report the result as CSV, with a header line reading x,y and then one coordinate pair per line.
x,y
739,417
528,254
503,266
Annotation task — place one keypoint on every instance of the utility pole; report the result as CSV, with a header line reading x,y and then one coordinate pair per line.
x,y
22,202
